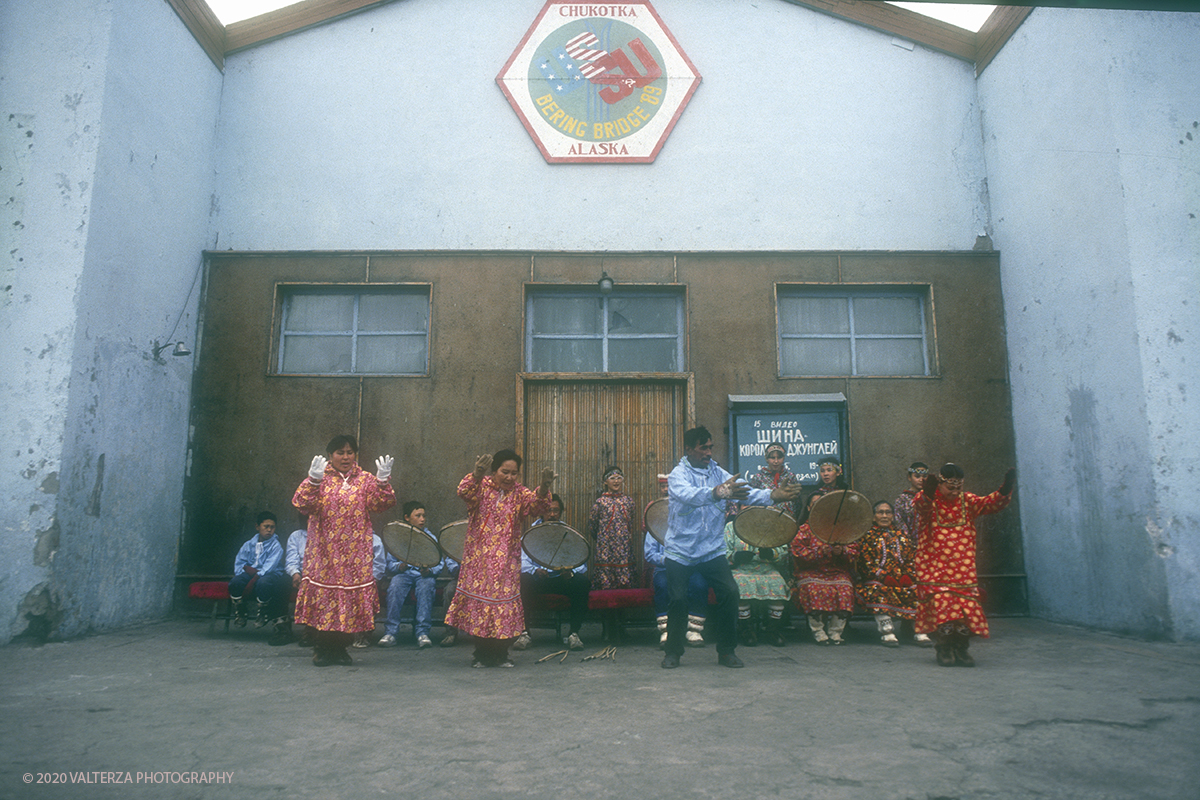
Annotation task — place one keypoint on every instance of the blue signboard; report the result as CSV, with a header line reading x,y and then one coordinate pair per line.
x,y
810,427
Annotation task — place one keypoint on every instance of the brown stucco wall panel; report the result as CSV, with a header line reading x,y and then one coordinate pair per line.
x,y
256,433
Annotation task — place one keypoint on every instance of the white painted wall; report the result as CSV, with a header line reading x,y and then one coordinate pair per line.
x,y
1092,136
387,130
113,200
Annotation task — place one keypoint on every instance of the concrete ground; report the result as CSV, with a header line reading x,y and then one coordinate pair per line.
x,y
1050,712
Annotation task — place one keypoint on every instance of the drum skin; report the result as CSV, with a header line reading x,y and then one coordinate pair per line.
x,y
556,545
841,517
453,538
656,519
411,545
764,526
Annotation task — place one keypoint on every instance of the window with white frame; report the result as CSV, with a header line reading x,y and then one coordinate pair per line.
x,y
380,330
861,330
581,330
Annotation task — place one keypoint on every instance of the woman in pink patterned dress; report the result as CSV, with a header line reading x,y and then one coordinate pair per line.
x,y
947,581
610,525
337,595
487,602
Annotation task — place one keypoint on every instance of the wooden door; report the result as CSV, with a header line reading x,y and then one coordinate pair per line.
x,y
579,427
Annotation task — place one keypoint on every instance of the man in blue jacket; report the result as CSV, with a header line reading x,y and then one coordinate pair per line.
x,y
698,491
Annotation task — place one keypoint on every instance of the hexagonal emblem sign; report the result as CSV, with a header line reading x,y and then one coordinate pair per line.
x,y
598,82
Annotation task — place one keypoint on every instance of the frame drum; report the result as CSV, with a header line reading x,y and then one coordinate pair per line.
x,y
453,538
764,526
656,519
410,545
841,517
556,545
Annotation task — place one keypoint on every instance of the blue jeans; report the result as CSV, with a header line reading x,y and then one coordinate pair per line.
x,y
397,593
273,588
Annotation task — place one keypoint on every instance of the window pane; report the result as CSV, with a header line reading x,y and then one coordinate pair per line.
x,y
642,355
578,315
566,355
316,354
887,315
890,356
317,312
814,315
643,315
391,355
393,312
815,356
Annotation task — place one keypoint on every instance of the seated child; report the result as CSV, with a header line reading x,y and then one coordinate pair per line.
x,y
405,578
258,572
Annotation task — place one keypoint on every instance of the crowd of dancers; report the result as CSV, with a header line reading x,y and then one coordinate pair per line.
x,y
915,563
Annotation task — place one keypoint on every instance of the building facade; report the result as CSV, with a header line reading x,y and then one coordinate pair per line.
x,y
816,154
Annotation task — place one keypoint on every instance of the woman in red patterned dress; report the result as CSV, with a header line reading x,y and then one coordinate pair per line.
x,y
824,588
337,595
947,582
487,602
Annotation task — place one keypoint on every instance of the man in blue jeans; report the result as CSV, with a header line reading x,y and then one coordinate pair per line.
x,y
698,491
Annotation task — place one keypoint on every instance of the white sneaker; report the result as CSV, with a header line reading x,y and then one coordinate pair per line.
x,y
573,642
360,641
424,641
523,641
387,640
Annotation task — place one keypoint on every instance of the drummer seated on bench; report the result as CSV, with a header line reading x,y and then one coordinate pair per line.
x,y
573,584
405,578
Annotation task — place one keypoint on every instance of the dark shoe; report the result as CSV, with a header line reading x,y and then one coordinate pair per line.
x,y
449,638
746,634
961,657
670,661
282,635
729,660
323,658
342,656
945,654
774,633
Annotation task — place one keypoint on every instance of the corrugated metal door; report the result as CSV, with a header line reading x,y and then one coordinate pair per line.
x,y
581,427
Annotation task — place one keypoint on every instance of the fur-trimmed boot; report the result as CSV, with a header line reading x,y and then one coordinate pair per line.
x,y
774,631
662,630
887,631
943,644
816,624
746,633
837,624
695,631
962,640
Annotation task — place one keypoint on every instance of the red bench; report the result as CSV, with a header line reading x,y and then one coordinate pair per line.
x,y
602,600
218,592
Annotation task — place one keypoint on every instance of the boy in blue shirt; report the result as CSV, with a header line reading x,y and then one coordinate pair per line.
x,y
405,578
258,572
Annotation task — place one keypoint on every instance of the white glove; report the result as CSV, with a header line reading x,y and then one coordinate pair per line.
x,y
317,471
383,467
